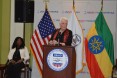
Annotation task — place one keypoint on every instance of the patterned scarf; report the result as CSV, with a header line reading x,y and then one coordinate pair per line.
x,y
66,34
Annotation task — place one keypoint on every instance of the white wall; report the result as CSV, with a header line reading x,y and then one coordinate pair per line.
x,y
16,28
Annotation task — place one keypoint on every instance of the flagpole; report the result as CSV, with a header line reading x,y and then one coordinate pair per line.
x,y
46,1
45,5
73,5
102,5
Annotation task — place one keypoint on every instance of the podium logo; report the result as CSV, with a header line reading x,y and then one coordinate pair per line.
x,y
57,59
57,55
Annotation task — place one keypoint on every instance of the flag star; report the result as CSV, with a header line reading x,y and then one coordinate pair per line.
x,y
46,25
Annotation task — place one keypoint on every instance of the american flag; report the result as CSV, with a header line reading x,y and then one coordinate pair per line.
x,y
41,37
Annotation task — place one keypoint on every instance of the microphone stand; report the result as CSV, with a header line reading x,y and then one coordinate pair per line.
x,y
59,34
58,41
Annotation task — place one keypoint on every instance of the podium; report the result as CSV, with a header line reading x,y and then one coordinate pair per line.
x,y
59,62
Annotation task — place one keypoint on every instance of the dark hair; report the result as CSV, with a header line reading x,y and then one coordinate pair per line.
x,y
14,45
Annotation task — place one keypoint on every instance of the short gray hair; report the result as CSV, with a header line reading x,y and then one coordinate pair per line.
x,y
63,18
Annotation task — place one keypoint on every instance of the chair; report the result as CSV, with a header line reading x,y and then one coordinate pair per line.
x,y
2,67
25,72
114,71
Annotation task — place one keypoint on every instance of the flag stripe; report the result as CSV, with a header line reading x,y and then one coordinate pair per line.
x,y
46,40
36,59
39,45
39,37
34,48
102,58
40,42
102,29
92,63
37,48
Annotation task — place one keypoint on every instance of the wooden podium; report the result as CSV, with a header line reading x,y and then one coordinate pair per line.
x,y
59,62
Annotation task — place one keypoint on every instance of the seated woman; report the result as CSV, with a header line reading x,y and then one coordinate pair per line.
x,y
62,36
17,57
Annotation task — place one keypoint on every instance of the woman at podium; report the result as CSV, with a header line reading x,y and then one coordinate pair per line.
x,y
62,36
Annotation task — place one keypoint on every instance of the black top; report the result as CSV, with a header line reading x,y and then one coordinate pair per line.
x,y
16,55
61,36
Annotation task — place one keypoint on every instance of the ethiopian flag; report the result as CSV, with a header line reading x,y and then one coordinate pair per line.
x,y
99,49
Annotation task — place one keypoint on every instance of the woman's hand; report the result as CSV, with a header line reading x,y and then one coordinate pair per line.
x,y
53,42
63,44
12,61
19,61
50,42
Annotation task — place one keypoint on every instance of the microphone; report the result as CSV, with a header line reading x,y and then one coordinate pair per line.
x,y
59,34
